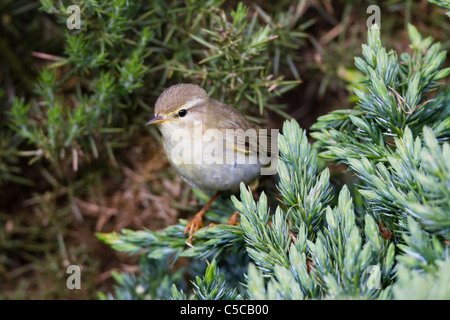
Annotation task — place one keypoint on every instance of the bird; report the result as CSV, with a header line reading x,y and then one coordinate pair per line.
x,y
211,145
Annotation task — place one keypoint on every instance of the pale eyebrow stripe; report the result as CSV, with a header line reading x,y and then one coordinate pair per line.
x,y
188,105
192,103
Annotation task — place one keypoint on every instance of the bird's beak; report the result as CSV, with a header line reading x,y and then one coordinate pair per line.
x,y
155,120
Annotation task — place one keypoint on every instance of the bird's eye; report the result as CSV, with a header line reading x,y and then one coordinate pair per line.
x,y
182,112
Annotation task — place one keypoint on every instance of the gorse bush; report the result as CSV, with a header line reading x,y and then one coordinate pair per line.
x,y
113,59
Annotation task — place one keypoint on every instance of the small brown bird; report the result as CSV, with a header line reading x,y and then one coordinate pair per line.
x,y
210,144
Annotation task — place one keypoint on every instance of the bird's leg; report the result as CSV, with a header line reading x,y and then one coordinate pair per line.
x,y
254,186
233,221
197,221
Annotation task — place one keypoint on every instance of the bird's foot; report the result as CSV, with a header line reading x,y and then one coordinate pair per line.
x,y
197,222
233,220
193,226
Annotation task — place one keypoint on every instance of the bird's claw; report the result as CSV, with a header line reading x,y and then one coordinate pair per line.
x,y
193,226
233,221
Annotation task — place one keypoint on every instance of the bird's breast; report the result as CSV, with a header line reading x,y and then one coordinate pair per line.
x,y
205,161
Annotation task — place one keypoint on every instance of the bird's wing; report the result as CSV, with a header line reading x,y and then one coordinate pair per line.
x,y
249,138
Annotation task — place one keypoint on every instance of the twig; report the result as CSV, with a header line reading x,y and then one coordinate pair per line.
x,y
402,102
